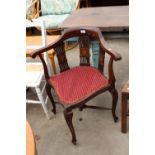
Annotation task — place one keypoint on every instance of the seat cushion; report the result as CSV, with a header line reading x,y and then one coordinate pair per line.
x,y
53,21
76,84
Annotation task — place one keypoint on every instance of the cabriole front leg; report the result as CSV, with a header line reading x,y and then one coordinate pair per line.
x,y
114,94
68,117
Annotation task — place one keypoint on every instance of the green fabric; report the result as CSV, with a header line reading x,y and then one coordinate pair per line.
x,y
53,21
52,7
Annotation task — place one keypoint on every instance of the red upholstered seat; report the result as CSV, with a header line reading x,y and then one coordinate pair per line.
x,y
77,83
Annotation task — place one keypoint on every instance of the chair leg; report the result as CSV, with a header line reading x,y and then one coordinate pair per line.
x,y
42,102
114,94
68,117
48,91
124,114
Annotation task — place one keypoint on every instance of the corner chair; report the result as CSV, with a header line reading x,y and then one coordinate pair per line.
x,y
76,86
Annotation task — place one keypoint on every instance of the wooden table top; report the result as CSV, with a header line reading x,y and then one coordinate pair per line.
x,y
30,142
36,40
125,88
109,18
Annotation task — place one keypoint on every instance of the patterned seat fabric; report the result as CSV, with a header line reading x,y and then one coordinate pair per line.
x,y
77,84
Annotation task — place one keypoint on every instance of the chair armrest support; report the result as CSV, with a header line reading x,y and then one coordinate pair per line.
x,y
42,50
116,56
111,72
37,52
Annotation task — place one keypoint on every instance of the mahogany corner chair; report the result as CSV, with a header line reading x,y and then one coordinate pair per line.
x,y
75,86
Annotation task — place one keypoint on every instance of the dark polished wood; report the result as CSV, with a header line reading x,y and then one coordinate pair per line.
x,y
85,35
125,99
94,3
48,91
113,18
68,117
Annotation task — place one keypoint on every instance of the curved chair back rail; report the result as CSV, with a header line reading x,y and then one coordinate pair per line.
x,y
77,32
85,33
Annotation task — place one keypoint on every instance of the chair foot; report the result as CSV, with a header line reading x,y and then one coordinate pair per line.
x,y
48,91
68,117
115,119
54,111
114,94
74,142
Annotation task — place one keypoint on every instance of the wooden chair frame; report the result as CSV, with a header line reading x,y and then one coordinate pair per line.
x,y
84,34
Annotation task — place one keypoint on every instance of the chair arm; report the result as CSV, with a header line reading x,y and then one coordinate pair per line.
x,y
44,49
38,52
116,56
